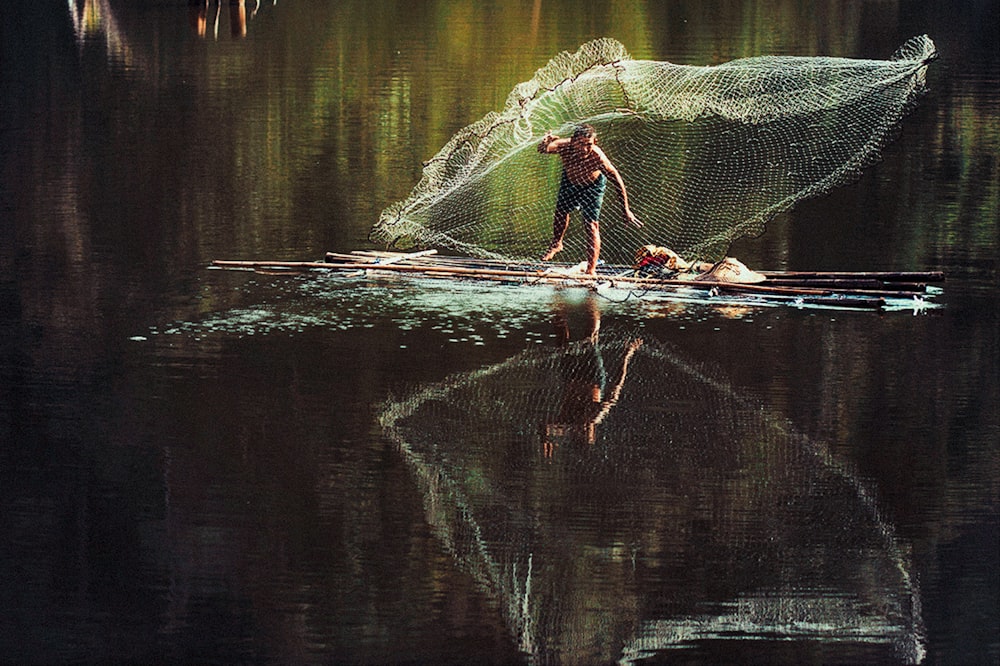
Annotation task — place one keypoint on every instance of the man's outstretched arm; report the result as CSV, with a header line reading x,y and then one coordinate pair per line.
x,y
616,179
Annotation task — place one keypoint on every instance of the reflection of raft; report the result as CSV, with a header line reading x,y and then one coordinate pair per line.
x,y
842,289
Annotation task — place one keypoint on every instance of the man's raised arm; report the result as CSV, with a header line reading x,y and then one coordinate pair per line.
x,y
551,143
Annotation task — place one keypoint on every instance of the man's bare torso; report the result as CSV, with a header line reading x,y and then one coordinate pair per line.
x,y
582,164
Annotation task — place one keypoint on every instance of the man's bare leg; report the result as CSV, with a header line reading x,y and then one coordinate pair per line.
x,y
593,245
560,222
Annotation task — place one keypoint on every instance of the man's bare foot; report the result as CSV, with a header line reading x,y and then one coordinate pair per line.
x,y
554,249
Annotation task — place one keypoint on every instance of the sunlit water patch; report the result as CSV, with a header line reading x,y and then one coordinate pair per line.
x,y
293,304
461,311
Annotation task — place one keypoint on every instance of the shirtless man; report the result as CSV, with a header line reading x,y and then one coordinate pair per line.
x,y
586,170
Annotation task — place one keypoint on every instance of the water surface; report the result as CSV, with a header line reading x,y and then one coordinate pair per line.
x,y
210,466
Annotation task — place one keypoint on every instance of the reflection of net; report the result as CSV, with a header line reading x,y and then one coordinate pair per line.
x,y
688,515
708,154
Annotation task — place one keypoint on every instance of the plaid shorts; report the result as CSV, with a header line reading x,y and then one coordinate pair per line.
x,y
587,198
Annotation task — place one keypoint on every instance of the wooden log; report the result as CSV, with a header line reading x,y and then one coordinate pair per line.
x,y
227,263
355,265
334,258
834,283
477,262
396,257
392,257
377,257
841,283
891,276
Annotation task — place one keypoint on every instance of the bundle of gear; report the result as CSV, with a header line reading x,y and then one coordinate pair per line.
x,y
655,261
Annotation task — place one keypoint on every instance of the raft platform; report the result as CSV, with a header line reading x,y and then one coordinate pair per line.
x,y
862,290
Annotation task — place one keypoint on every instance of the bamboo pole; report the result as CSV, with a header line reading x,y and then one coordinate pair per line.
x,y
894,276
838,283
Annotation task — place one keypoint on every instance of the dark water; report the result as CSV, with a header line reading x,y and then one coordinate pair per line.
x,y
207,466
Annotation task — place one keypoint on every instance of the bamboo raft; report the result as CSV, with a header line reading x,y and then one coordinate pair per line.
x,y
864,290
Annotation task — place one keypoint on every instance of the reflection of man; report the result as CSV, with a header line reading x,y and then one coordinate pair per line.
x,y
586,400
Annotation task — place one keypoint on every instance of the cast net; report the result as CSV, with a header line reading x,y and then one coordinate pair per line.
x,y
708,154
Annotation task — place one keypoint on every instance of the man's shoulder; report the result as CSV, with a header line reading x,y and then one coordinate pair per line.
x,y
600,153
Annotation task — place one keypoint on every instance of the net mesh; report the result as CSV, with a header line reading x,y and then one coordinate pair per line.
x,y
707,154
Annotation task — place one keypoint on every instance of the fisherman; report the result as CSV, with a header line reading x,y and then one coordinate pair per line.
x,y
586,170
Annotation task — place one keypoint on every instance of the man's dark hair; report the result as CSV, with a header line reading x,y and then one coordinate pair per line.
x,y
584,131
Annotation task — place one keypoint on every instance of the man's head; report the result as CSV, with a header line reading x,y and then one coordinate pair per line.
x,y
584,136
584,131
